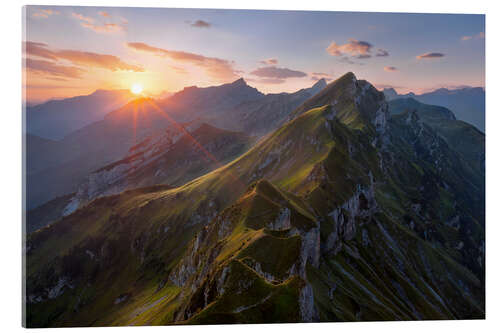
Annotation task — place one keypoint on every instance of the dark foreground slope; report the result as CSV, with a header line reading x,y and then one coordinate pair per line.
x,y
342,214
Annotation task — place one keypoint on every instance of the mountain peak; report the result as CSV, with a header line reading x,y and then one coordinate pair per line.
x,y
347,76
320,84
240,82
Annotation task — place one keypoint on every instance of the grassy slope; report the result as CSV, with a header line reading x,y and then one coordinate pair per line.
x,y
389,270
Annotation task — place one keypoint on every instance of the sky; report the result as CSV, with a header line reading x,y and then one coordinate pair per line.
x,y
70,51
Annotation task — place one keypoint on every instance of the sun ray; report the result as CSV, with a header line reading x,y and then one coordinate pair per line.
x,y
192,139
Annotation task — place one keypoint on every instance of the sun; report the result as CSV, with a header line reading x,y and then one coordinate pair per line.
x,y
136,88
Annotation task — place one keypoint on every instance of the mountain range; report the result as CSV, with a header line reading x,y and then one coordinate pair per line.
x,y
56,168
468,104
57,118
346,207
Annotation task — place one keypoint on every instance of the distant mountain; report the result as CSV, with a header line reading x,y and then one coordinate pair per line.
x,y
463,137
61,170
234,107
263,115
343,213
428,112
57,118
170,158
41,150
210,101
468,104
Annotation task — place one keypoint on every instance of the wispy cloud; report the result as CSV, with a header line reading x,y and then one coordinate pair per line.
x,y
270,61
390,69
273,72
52,70
45,13
201,24
478,36
316,76
430,55
83,18
216,68
103,28
179,70
80,58
107,27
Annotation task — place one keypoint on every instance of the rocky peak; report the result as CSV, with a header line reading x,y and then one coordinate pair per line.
x,y
239,83
317,87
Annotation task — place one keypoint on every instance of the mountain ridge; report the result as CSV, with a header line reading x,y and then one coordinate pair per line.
x,y
342,213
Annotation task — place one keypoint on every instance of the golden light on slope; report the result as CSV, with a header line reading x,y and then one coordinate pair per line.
x,y
136,88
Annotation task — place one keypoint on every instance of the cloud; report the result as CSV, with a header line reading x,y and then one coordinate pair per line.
x,y
382,53
478,36
45,13
52,69
83,18
390,69
347,60
39,50
321,74
80,58
316,76
89,23
201,24
107,27
430,55
353,48
179,70
216,68
270,61
273,72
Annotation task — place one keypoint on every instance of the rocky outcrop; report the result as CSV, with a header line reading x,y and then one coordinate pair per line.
x,y
361,205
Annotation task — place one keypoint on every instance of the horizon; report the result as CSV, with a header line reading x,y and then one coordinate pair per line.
x,y
159,96
120,47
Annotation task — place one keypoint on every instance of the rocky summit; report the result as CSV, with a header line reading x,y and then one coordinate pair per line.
x,y
350,208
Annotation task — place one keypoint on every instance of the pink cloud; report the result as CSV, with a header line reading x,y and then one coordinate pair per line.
x,y
270,61
45,13
80,58
83,18
353,47
89,23
216,68
104,28
390,69
50,69
430,55
478,36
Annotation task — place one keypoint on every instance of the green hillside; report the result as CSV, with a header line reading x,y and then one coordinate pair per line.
x,y
344,213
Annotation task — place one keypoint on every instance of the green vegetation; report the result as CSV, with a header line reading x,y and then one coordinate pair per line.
x,y
329,218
